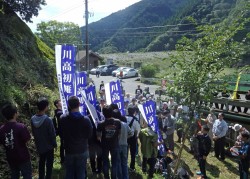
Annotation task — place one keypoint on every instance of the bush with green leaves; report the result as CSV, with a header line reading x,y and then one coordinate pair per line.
x,y
148,71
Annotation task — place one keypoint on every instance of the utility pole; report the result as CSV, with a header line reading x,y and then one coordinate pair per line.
x,y
87,35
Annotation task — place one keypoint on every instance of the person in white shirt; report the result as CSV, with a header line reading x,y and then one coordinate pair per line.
x,y
220,128
132,141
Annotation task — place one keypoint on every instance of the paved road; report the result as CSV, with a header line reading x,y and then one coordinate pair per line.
x,y
129,85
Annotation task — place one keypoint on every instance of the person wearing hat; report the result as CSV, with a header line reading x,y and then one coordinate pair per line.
x,y
164,106
239,128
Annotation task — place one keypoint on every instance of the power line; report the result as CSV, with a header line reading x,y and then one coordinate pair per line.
x,y
149,27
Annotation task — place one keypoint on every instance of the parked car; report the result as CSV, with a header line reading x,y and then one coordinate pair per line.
x,y
107,70
93,71
128,72
118,70
100,67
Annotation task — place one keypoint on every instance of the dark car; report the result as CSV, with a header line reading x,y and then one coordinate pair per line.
x,y
108,70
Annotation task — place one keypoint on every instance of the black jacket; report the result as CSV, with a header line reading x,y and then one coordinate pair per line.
x,y
204,144
75,130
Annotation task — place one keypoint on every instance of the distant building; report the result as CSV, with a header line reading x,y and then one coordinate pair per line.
x,y
82,64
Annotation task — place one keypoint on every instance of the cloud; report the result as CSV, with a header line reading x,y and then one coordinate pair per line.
x,y
74,10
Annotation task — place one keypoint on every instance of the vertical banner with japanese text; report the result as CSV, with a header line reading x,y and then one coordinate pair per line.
x,y
91,94
65,67
113,92
89,97
80,84
148,111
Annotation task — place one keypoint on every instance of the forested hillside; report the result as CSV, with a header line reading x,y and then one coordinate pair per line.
x,y
158,25
27,71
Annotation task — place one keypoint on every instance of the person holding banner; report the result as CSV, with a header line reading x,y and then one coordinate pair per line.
x,y
76,130
148,139
108,132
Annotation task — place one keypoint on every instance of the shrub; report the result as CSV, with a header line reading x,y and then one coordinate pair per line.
x,y
148,71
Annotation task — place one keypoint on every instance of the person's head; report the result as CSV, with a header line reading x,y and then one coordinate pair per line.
x,y
221,116
107,112
114,106
131,111
9,111
164,105
248,91
166,113
42,104
126,102
245,136
237,128
133,100
211,111
128,95
117,114
102,82
57,103
159,113
138,86
73,103
102,101
205,129
179,109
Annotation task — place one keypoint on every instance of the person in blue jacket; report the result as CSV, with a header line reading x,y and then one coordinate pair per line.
x,y
244,154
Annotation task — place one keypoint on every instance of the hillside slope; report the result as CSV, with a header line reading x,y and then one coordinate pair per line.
x,y
25,61
27,71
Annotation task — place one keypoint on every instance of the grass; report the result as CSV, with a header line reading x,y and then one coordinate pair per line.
x,y
215,168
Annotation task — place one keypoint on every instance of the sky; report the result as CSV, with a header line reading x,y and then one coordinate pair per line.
x,y
74,10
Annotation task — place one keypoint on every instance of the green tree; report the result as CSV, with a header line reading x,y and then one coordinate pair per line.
x,y
198,64
26,8
54,32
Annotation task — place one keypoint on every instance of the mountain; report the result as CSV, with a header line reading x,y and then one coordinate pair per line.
x,y
157,25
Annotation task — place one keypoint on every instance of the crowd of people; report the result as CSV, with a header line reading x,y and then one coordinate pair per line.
x,y
106,144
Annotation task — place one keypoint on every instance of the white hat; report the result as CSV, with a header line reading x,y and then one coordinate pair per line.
x,y
237,127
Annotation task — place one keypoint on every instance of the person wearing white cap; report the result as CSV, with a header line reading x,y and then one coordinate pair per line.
x,y
239,128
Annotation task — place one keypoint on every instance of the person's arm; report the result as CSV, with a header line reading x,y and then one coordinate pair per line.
x,y
99,131
130,131
207,146
88,127
25,135
52,132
